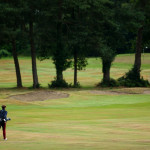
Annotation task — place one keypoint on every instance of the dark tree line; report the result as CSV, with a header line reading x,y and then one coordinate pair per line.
x,y
70,30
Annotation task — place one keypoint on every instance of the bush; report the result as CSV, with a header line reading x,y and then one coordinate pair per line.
x,y
110,83
37,87
59,84
133,79
77,85
132,83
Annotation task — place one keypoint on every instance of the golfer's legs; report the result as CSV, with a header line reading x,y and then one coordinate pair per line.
x,y
4,130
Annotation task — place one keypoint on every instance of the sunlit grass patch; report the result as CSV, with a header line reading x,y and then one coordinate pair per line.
x,y
91,76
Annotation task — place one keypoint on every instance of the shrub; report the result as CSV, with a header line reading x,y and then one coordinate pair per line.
x,y
110,83
59,84
133,79
77,85
37,86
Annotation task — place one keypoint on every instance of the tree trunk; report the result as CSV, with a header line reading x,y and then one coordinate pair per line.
x,y
58,64
59,74
59,69
75,67
16,62
33,55
137,63
106,70
75,54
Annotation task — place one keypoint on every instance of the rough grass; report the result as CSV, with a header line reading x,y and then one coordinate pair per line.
x,y
87,78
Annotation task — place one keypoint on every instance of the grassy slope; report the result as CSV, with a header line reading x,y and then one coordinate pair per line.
x,y
83,121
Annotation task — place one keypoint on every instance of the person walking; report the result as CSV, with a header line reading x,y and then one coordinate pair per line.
x,y
3,120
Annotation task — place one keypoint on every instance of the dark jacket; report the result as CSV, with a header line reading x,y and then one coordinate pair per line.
x,y
3,114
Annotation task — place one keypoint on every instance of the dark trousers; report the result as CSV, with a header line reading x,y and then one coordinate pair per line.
x,y
4,129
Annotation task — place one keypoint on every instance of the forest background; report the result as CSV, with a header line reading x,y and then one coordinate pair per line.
x,y
70,31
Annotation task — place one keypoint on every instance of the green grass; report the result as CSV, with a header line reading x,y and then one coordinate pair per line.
x,y
84,121
87,78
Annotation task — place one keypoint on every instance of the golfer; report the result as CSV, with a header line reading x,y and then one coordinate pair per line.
x,y
3,119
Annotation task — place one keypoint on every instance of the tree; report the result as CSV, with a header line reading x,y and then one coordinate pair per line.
x,y
77,32
29,14
105,33
10,21
140,10
55,34
137,64
67,30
